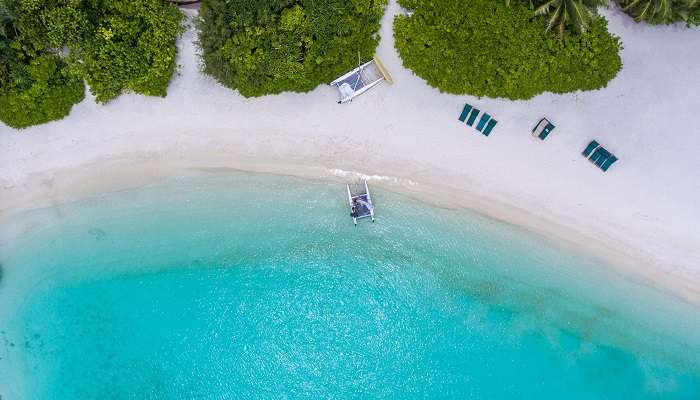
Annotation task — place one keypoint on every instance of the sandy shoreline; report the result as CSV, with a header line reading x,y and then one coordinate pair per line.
x,y
105,176
642,214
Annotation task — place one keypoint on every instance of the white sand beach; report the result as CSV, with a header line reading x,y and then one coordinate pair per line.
x,y
406,137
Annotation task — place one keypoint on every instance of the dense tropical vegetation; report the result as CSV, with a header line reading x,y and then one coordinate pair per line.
x,y
49,47
270,46
117,46
498,50
35,85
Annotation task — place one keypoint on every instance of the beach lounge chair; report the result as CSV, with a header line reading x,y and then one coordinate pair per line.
x,y
591,146
594,156
465,112
608,163
602,156
472,116
543,129
492,123
599,156
484,119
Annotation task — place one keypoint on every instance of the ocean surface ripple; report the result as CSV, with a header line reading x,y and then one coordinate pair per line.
x,y
246,286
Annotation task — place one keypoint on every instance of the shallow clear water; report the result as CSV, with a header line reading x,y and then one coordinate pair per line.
x,y
252,286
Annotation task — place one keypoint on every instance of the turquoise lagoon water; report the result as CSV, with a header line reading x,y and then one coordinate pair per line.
x,y
241,286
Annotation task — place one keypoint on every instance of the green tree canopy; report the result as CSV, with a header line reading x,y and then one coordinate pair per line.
x,y
270,46
491,49
35,85
116,46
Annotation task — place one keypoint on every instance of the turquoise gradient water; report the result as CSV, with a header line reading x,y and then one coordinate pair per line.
x,y
241,286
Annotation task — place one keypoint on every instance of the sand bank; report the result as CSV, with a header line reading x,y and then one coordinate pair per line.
x,y
407,138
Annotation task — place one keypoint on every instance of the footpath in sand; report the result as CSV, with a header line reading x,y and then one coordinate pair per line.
x,y
408,138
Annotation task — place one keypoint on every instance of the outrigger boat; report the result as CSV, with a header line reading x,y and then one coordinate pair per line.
x,y
360,201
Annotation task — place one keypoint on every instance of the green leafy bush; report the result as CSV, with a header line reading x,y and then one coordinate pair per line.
x,y
47,93
132,47
490,49
270,46
116,46
35,86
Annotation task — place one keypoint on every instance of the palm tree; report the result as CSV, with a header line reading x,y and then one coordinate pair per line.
x,y
652,11
688,11
563,14
5,19
663,11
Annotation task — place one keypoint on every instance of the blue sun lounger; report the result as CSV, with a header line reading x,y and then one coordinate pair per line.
x,y
591,146
472,116
603,157
543,129
465,112
608,163
492,123
485,124
484,119
599,156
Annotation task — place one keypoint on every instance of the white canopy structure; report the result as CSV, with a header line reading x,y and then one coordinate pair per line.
x,y
361,79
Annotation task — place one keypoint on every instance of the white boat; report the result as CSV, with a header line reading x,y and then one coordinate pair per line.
x,y
361,79
360,202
